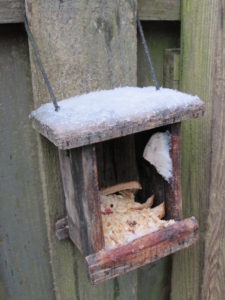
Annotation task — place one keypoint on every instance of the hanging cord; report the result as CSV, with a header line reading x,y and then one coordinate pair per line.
x,y
147,54
37,55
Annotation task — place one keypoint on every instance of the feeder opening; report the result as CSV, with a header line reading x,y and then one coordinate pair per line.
x,y
134,208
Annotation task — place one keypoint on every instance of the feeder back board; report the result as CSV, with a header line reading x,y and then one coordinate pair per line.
x,y
77,129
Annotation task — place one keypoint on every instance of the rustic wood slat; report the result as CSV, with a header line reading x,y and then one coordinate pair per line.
x,y
80,183
171,68
154,10
198,273
173,189
109,264
11,11
25,272
214,256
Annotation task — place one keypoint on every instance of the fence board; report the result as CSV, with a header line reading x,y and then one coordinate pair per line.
x,y
198,273
155,10
11,11
25,271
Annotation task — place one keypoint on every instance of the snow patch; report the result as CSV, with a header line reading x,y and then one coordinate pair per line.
x,y
109,107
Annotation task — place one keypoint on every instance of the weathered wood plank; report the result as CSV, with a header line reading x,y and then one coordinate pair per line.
x,y
214,258
11,11
173,193
171,70
196,272
109,264
173,189
25,271
80,182
167,10
81,41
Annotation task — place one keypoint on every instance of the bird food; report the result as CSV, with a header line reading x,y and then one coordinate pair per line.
x,y
125,220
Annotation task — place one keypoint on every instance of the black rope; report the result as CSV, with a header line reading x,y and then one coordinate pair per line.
x,y
147,54
37,55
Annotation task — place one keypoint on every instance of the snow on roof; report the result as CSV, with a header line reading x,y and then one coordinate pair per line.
x,y
106,114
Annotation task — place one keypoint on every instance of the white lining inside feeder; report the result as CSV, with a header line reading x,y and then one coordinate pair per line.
x,y
157,152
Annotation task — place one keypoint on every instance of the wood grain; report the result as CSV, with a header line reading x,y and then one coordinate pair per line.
x,y
173,188
25,271
214,258
197,271
80,183
159,10
109,264
11,11
81,41
171,69
116,160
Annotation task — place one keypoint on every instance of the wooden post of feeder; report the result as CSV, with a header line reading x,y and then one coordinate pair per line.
x,y
173,189
80,183
82,48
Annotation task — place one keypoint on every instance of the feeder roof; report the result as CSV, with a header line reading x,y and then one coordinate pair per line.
x,y
108,114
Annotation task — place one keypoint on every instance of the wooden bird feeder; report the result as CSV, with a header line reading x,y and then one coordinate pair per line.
x,y
87,121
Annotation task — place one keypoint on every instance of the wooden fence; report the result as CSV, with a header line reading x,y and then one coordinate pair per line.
x,y
33,263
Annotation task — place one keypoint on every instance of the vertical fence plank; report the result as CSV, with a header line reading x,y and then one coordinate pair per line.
x,y
25,271
214,260
82,47
202,60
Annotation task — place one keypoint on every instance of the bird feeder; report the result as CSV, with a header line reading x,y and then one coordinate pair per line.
x,y
77,129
